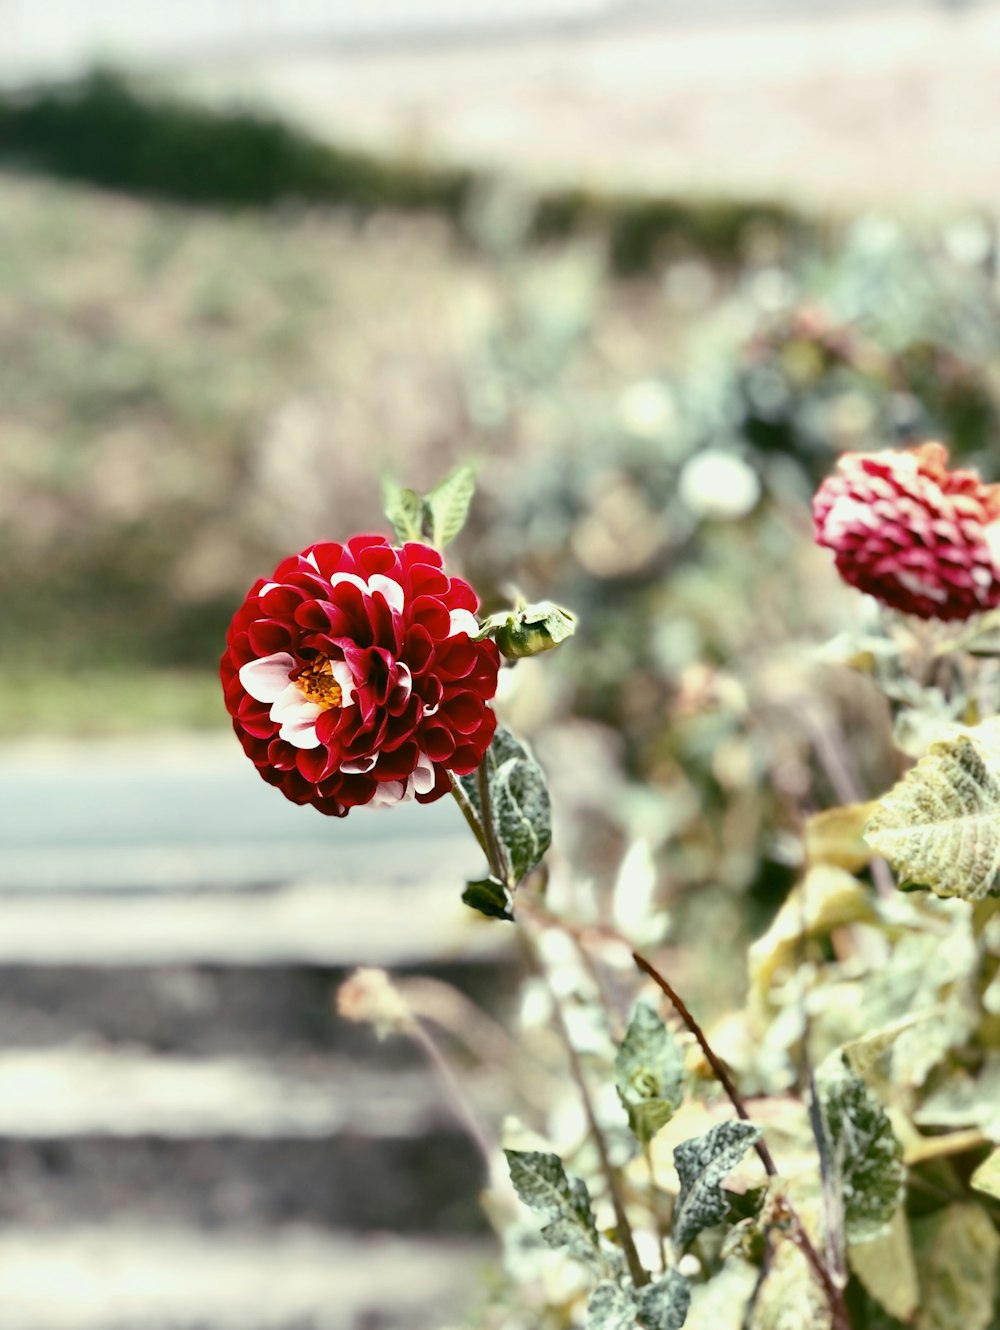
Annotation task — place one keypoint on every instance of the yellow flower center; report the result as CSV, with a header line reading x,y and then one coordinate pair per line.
x,y
316,682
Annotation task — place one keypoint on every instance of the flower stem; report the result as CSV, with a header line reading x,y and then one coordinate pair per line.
x,y
494,850
498,867
636,1270
463,1109
833,1292
468,812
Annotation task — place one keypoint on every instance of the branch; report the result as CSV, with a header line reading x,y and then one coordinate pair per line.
x,y
721,1074
468,812
636,1270
834,1294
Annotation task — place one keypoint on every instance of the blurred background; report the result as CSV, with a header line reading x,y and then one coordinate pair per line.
x,y
652,264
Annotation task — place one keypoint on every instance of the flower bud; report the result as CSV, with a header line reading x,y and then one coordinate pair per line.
x,y
531,629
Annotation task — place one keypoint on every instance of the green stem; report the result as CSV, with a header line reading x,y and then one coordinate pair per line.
x,y
494,850
468,812
639,1275
982,912
463,1109
661,1232
498,866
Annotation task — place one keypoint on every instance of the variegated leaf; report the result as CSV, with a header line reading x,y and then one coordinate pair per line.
x,y
939,826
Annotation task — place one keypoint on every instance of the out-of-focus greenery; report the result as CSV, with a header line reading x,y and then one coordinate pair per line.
x,y
187,396
103,130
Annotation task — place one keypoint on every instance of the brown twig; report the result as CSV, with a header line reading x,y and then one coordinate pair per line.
x,y
718,1067
833,1293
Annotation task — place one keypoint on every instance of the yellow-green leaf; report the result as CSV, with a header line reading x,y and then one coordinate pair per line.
x,y
939,826
956,1251
886,1268
836,836
828,898
987,1176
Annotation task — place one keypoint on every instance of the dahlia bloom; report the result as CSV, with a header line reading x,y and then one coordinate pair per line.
x,y
911,533
353,676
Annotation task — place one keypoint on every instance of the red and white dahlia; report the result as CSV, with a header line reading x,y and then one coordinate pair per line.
x,y
911,533
353,676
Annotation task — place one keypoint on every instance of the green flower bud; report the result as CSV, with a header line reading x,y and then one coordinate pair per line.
x,y
530,629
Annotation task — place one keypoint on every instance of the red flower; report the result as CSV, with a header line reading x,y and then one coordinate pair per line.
x,y
913,534
352,676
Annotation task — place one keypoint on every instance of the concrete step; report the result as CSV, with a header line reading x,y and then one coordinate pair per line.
x,y
89,1135
316,923
291,1278
193,814
261,1010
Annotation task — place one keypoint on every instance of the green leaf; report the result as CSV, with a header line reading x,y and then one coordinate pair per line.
x,y
956,1252
663,1305
828,898
987,1176
863,1153
489,897
404,509
522,814
447,505
887,1270
649,1073
962,1101
791,1298
542,1184
940,826
611,1308
519,799
702,1164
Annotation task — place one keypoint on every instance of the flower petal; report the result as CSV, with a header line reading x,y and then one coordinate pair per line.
x,y
341,672
359,766
391,590
265,679
300,732
424,776
352,579
388,793
463,622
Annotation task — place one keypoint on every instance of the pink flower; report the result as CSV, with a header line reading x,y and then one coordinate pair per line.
x,y
353,676
913,534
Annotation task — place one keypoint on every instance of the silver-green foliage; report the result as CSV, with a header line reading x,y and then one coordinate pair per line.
x,y
661,1305
519,800
563,1202
702,1164
940,825
862,1153
649,1073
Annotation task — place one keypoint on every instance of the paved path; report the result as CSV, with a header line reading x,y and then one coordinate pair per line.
x,y
177,1093
192,812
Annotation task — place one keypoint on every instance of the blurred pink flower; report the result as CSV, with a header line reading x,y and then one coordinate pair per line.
x,y
911,533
